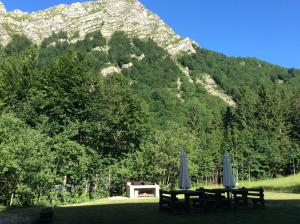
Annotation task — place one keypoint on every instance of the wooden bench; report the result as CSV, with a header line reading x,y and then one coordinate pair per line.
x,y
205,204
169,201
243,196
211,199
257,197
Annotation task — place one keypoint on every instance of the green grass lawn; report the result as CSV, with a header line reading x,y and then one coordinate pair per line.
x,y
289,184
281,208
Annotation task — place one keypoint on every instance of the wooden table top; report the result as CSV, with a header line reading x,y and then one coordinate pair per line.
x,y
217,190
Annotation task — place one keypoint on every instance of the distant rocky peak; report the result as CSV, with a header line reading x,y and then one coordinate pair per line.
x,y
2,8
108,16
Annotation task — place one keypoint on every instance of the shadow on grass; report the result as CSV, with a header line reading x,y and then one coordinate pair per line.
x,y
277,211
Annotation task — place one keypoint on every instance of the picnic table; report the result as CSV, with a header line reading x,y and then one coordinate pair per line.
x,y
170,198
242,196
209,199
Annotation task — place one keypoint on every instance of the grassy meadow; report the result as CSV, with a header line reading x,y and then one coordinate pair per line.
x,y
290,184
282,206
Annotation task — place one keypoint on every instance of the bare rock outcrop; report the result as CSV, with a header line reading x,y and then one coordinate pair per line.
x,y
109,70
2,8
185,45
211,87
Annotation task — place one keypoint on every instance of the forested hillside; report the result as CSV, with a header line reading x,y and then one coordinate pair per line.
x,y
69,131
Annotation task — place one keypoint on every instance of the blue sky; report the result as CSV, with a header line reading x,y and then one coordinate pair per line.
x,y
266,29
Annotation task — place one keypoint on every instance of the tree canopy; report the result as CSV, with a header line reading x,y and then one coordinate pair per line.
x,y
67,132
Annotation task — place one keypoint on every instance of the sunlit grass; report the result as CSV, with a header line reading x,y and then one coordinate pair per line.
x,y
281,207
112,202
281,196
289,184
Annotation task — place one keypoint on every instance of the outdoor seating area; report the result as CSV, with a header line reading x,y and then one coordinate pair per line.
x,y
206,200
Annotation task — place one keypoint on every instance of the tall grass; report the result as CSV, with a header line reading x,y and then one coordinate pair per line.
x,y
290,184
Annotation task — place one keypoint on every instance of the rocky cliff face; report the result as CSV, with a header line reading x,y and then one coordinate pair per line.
x,y
78,19
109,16
2,8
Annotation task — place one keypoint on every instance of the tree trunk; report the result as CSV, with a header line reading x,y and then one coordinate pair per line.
x,y
249,173
11,199
294,168
87,186
243,175
109,182
96,182
65,181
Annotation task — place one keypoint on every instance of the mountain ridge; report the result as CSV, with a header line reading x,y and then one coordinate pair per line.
x,y
108,16
79,19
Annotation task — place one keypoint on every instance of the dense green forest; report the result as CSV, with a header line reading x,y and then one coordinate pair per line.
x,y
67,133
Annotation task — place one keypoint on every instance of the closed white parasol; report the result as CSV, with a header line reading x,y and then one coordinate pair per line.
x,y
184,180
228,178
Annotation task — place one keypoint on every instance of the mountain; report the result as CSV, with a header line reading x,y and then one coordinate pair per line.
x,y
78,19
108,16
218,75
96,94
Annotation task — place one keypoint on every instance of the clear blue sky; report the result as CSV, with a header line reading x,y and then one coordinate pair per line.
x,y
266,29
